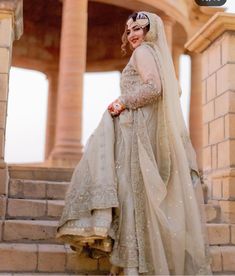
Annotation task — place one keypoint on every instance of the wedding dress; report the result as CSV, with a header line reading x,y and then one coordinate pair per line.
x,y
134,192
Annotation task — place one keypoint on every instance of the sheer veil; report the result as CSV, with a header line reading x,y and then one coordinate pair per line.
x,y
188,238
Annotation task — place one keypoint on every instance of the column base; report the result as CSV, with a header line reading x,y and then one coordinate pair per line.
x,y
64,157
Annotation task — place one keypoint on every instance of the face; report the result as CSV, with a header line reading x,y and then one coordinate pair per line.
x,y
135,35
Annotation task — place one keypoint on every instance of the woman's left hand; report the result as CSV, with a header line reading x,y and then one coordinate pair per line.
x,y
116,107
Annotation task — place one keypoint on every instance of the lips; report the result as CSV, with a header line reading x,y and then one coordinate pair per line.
x,y
134,40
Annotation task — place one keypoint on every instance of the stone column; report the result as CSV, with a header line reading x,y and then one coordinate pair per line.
x,y
216,43
10,29
195,115
168,24
52,77
176,53
67,150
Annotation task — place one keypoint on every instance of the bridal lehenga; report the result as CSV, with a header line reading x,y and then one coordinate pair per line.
x,y
136,193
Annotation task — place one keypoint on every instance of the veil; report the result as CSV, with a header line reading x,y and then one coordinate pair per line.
x,y
178,164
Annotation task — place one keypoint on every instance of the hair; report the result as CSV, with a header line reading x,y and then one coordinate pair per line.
x,y
125,41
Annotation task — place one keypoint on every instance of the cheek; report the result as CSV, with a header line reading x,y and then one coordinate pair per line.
x,y
141,34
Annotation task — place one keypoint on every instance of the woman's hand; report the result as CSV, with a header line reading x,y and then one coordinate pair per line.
x,y
116,107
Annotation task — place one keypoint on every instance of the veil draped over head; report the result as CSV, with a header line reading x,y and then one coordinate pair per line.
x,y
189,243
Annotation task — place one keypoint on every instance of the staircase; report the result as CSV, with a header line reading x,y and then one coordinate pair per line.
x,y
35,203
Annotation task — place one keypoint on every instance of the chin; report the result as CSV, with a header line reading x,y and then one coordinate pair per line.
x,y
135,46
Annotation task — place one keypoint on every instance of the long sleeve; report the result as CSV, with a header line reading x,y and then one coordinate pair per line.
x,y
150,87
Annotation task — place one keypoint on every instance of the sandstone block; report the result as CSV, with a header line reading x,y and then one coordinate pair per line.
x,y
3,111
225,103
3,203
2,143
51,258
1,229
56,190
228,187
228,48
230,126
218,233
217,189
208,112
225,78
204,96
5,60
55,208
228,257
18,257
214,157
216,255
211,87
3,87
216,131
228,210
26,208
6,32
224,154
27,189
214,57
20,230
207,158
205,65
233,233
205,135
4,178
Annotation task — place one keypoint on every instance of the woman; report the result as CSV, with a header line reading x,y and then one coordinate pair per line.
x,y
133,192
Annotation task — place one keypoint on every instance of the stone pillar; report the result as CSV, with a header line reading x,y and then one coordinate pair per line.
x,y
10,29
176,53
216,43
168,24
52,77
195,115
67,150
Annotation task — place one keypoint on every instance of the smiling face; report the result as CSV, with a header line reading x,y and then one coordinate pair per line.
x,y
135,35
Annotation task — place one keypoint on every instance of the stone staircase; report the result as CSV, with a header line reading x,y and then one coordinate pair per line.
x,y
35,202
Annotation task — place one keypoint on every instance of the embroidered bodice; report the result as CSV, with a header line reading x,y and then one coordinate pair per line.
x,y
140,81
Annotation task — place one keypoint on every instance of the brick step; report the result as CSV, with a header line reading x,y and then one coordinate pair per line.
x,y
223,260
37,189
48,258
40,173
34,208
40,231
221,233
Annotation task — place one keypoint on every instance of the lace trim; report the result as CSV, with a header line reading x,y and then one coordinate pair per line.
x,y
142,93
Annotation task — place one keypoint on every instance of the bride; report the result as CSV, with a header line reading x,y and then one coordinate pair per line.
x,y
136,193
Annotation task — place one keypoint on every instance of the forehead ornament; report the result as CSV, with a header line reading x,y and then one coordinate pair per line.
x,y
141,19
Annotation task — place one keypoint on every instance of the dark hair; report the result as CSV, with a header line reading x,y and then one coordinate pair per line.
x,y
124,35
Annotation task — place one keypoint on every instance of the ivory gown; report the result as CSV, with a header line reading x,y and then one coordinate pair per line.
x,y
118,188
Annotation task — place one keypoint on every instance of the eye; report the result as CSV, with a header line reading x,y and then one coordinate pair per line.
x,y
137,29
127,32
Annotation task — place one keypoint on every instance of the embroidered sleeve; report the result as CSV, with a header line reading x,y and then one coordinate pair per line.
x,y
150,87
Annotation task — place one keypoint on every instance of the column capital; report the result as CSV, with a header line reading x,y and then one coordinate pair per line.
x,y
15,7
215,27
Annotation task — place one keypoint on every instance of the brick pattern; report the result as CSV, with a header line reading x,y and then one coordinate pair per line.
x,y
218,100
218,83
